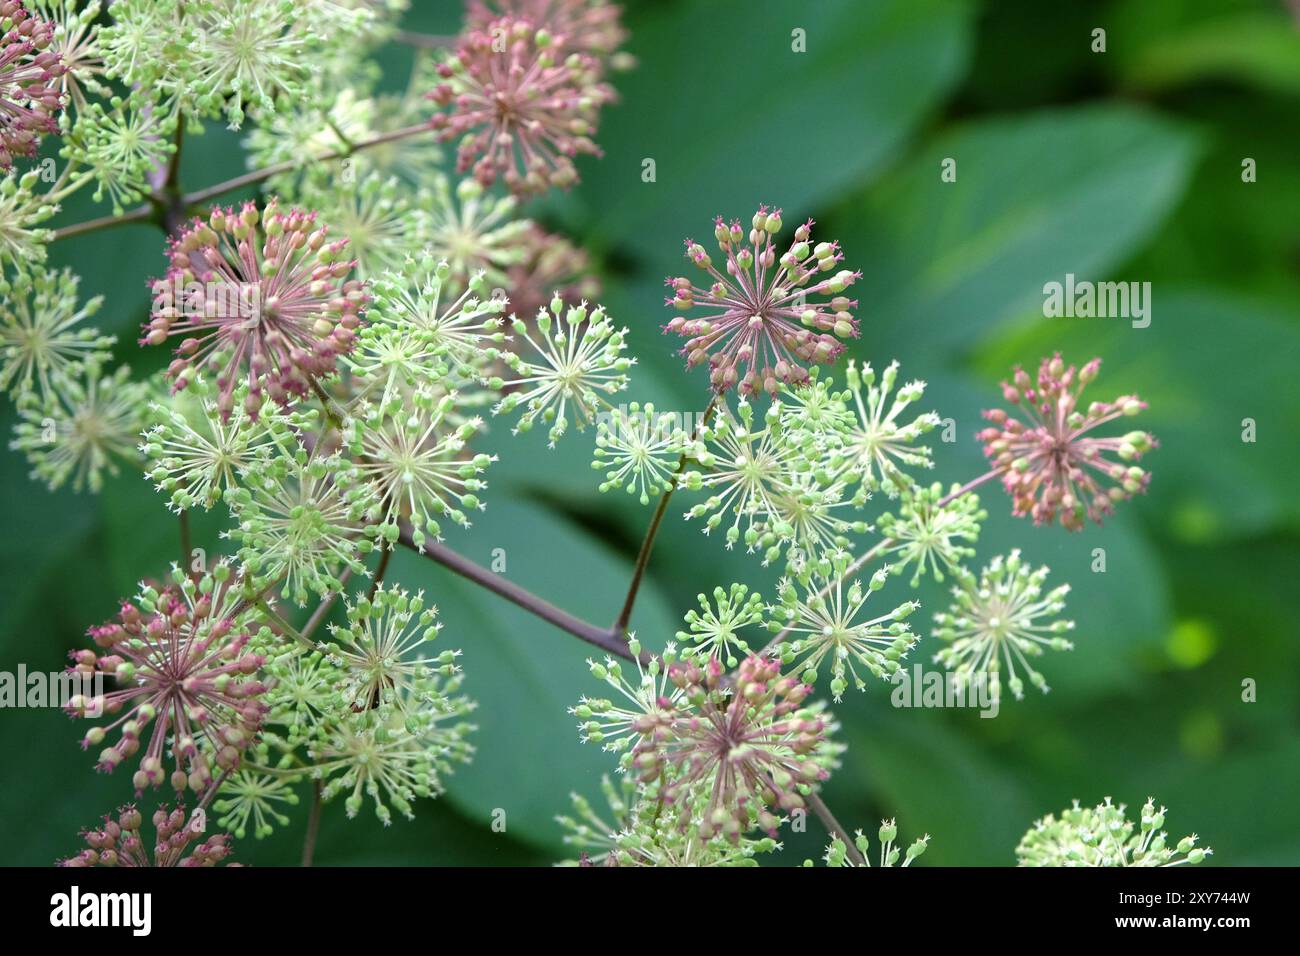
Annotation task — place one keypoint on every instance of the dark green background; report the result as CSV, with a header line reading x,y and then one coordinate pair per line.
x,y
1123,165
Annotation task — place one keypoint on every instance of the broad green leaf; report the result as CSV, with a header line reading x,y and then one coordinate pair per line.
x,y
733,116
1036,197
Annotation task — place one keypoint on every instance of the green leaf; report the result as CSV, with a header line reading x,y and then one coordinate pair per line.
x,y
1259,49
733,116
1035,197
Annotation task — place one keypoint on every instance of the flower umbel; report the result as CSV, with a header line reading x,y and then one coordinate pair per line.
x,y
181,660
745,752
763,323
879,448
30,93
79,434
1051,463
379,651
300,520
521,108
999,618
260,296
1105,836
639,451
118,842
714,630
822,616
934,535
419,465
42,339
578,361
193,456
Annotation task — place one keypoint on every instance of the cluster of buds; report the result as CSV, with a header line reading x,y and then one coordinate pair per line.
x,y
1051,465
263,297
521,107
182,664
118,841
734,755
763,324
30,72
583,26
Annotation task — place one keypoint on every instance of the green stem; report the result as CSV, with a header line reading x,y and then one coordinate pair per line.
x,y
652,532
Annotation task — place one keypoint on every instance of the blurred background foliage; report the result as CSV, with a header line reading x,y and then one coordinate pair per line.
x,y
1120,165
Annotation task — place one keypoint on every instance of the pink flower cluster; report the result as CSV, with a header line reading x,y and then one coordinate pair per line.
x,y
583,26
29,88
743,751
763,320
265,298
118,842
520,105
186,669
1051,463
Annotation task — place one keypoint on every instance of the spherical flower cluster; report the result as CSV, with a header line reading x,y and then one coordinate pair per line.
x,y
43,341
1105,836
397,757
578,360
878,449
418,464
30,94
714,631
934,534
182,663
193,456
819,618
521,108
301,521
422,318
81,432
118,841
1051,464
378,651
251,796
761,476
732,757
475,232
123,147
263,297
1002,618
763,322
639,450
